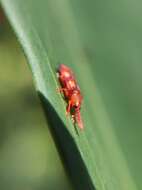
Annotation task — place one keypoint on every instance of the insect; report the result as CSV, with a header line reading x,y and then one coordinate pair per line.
x,y
72,94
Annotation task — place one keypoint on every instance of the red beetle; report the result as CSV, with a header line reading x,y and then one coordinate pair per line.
x,y
71,92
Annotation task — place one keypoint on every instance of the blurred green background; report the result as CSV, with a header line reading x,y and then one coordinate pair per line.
x,y
28,158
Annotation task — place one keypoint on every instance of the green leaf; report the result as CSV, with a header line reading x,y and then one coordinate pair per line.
x,y
100,41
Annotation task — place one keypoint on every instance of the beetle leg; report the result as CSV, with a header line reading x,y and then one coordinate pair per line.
x,y
60,90
73,118
68,108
